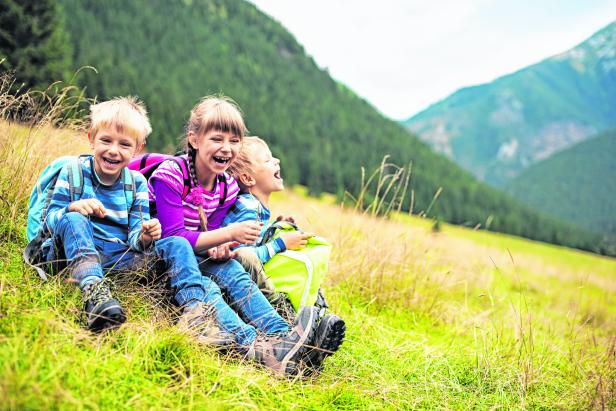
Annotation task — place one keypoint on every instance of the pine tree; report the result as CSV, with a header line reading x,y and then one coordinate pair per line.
x,y
33,42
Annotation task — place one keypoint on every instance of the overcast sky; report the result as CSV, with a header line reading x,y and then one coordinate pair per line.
x,y
403,55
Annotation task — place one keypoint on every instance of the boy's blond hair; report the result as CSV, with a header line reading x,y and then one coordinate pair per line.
x,y
243,163
127,115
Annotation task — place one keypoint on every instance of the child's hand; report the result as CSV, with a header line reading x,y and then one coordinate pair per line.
x,y
246,232
88,206
150,231
285,218
223,252
295,240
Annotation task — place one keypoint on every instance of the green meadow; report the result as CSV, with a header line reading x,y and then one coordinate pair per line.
x,y
447,318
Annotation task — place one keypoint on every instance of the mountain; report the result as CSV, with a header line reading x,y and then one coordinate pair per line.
x,y
577,184
498,129
171,53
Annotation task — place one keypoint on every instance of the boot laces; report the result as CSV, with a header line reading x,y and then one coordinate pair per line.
x,y
202,318
98,293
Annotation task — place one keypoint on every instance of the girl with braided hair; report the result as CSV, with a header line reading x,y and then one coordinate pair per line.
x,y
213,140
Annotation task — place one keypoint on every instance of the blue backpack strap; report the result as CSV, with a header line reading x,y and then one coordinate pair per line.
x,y
129,187
75,178
75,187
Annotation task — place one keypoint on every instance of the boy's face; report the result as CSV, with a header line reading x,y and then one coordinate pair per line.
x,y
112,152
266,171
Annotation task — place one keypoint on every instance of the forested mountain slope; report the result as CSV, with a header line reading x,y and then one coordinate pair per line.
x,y
171,53
577,184
498,129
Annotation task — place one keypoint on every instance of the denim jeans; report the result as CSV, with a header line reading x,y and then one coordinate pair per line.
x,y
89,258
244,297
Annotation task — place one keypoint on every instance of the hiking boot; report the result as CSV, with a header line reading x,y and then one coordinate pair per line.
x,y
329,337
321,303
281,303
101,309
282,353
199,321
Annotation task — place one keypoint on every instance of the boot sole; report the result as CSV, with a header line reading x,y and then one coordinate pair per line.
x,y
332,339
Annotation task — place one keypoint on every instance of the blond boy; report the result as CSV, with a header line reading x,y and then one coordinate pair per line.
x,y
108,226
258,175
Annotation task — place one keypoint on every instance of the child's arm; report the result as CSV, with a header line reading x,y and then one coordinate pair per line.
x,y
150,232
61,204
171,215
287,241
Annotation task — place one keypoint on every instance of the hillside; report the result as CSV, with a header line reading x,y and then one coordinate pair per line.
x,y
577,184
171,53
459,319
498,129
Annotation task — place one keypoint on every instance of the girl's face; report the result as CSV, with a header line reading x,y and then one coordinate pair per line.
x,y
215,151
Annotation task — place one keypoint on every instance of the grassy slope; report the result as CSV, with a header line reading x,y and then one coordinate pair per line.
x,y
458,319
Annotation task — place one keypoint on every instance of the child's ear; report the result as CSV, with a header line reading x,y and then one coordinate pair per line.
x,y
139,147
247,180
193,141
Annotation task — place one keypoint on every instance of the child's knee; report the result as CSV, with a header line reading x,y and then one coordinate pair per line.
x,y
174,246
251,263
248,259
73,217
73,224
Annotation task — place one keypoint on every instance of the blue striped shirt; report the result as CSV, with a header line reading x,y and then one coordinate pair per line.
x,y
248,208
120,225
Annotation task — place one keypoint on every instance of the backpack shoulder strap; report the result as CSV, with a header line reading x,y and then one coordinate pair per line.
x,y
144,161
130,192
183,163
276,225
222,178
75,178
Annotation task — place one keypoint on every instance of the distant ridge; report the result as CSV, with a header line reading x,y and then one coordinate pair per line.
x,y
498,129
578,184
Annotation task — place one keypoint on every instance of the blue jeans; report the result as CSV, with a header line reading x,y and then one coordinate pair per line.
x,y
89,258
245,297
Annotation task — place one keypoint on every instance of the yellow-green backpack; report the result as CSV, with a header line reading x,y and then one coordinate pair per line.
x,y
297,273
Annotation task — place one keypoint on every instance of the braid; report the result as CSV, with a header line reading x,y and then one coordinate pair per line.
x,y
192,171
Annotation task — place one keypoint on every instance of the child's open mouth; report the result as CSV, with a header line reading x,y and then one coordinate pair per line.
x,y
111,163
222,160
277,175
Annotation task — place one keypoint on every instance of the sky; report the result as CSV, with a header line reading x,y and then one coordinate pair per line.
x,y
403,55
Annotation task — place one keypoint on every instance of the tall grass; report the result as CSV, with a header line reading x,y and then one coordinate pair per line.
x,y
29,140
457,319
